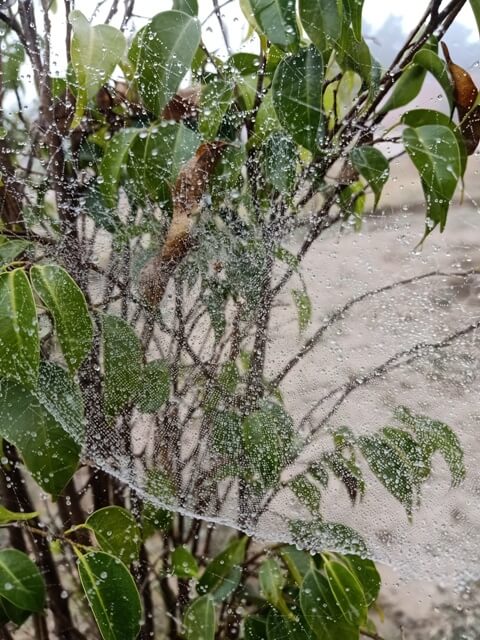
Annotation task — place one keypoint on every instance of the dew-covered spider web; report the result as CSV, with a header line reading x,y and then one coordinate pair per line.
x,y
303,377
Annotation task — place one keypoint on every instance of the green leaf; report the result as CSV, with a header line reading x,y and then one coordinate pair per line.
x,y
355,8
272,580
279,627
155,158
347,470
215,100
475,4
95,52
10,249
222,576
304,308
435,153
435,436
430,61
277,20
321,610
280,158
66,302
13,58
114,163
255,628
19,342
162,53
246,64
394,472
190,7
347,591
20,581
298,562
366,573
373,166
111,594
199,619
297,96
184,565
317,535
419,117
49,453
322,20
7,516
10,613
61,397
154,387
122,364
117,532
308,493
268,442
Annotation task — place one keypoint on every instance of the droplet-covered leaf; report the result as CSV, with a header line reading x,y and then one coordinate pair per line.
x,y
21,583
199,619
117,532
111,594
66,302
19,343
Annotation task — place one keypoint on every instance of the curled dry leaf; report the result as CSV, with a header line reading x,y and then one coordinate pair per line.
x,y
183,105
187,194
465,95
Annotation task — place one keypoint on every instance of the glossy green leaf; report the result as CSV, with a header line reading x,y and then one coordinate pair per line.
x,y
111,594
122,364
48,451
215,100
318,535
10,613
435,153
321,610
279,161
117,532
222,576
347,591
355,8
272,580
475,4
95,52
366,573
268,442
7,516
162,53
297,96
199,619
190,7
430,61
66,303
184,564
154,387
20,581
322,20
304,308
277,20
373,166
419,117
155,158
298,562
114,163
246,64
19,342
11,249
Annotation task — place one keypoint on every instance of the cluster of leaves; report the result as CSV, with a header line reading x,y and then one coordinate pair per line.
x,y
214,175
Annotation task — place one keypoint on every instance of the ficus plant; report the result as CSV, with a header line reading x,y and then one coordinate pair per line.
x,y
147,203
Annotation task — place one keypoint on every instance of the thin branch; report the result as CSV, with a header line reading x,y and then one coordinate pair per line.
x,y
339,313
394,362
